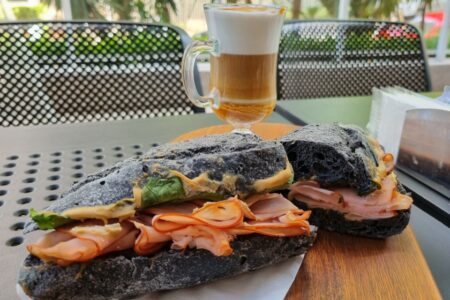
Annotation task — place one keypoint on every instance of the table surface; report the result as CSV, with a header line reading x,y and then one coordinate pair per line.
x,y
347,110
37,163
347,267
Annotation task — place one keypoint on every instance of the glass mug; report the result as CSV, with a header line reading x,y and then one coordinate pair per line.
x,y
243,50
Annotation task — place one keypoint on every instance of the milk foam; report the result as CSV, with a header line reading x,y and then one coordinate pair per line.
x,y
245,32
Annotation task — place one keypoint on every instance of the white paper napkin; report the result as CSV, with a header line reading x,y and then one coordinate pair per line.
x,y
388,111
271,283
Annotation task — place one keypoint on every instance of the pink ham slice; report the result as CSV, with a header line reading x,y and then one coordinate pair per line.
x,y
269,206
214,240
80,243
383,203
211,227
149,240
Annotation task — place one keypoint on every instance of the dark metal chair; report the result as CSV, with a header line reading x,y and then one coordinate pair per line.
x,y
65,72
349,58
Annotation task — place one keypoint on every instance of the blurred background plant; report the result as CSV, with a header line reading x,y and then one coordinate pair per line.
x,y
138,10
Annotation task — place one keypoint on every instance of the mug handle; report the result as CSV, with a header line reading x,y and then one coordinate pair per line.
x,y
193,50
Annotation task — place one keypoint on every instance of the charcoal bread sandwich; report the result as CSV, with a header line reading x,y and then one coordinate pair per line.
x,y
211,168
181,215
347,180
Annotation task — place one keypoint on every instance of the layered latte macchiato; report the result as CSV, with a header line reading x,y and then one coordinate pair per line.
x,y
243,72
243,47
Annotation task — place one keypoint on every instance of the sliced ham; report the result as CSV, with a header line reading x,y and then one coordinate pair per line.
x,y
222,214
269,206
211,226
214,240
124,243
276,229
383,203
80,243
149,240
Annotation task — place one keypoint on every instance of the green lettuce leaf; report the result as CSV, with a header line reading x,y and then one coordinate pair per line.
x,y
48,220
161,190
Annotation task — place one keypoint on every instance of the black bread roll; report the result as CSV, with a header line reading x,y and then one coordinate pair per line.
x,y
335,155
338,155
126,275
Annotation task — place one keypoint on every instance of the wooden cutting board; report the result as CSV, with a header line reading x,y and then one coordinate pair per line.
x,y
347,267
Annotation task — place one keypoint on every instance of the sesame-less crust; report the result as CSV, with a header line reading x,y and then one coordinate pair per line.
x,y
126,275
333,154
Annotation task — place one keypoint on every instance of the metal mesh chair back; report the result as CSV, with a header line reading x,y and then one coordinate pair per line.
x,y
349,58
65,72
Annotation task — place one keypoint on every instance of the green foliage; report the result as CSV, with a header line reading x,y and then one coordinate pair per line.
x,y
202,36
366,41
47,45
372,9
311,12
331,6
136,42
142,11
379,42
432,42
163,8
28,12
364,9
124,9
295,42
86,9
132,43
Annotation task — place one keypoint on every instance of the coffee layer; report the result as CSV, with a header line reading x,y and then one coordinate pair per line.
x,y
244,77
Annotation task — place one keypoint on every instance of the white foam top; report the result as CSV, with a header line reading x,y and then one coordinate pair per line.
x,y
245,31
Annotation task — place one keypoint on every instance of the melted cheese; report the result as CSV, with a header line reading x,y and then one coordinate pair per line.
x,y
137,194
203,184
278,180
122,209
380,170
199,184
105,230
229,181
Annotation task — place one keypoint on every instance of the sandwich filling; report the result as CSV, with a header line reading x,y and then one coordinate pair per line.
x,y
149,191
382,203
385,162
194,224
